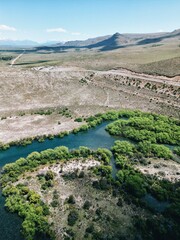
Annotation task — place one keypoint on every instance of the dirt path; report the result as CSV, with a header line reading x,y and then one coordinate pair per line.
x,y
15,59
107,99
121,72
151,78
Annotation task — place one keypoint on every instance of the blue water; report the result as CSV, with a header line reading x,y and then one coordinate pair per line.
x,y
10,224
155,204
93,138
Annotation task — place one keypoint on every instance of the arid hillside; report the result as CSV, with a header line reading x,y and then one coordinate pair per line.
x,y
84,82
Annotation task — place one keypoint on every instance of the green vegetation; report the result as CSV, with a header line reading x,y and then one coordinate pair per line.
x,y
148,131
177,150
26,202
134,185
123,147
28,205
129,186
65,112
6,58
79,119
46,180
44,112
152,128
159,128
72,217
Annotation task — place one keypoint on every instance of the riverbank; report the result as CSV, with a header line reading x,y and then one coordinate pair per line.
x,y
84,92
21,127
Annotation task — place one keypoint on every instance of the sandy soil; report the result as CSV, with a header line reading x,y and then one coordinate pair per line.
x,y
163,169
82,191
84,92
17,127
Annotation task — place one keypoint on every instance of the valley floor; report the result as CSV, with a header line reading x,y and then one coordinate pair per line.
x,y
25,92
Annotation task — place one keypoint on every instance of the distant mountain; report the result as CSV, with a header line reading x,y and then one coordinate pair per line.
x,y
114,41
49,43
9,42
83,43
25,43
160,38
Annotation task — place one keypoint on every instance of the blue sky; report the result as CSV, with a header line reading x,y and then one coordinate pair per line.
x,y
62,20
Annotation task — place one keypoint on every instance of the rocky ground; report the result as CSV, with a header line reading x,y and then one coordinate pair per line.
x,y
103,214
163,169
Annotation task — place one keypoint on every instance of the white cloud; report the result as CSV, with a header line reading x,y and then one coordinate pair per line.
x,y
59,30
76,33
7,28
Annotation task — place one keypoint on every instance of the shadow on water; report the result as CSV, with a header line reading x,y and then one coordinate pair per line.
x,y
10,224
93,138
155,204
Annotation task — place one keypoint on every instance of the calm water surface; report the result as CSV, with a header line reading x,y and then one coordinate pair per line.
x,y
94,138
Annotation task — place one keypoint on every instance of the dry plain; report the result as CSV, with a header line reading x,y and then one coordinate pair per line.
x,y
85,82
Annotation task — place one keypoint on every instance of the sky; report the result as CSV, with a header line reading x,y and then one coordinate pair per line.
x,y
63,20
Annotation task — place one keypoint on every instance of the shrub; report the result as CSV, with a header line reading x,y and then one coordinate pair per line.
x,y
135,185
71,199
87,205
78,119
123,147
73,217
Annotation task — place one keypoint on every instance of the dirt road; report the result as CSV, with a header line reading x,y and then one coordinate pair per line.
x,y
15,59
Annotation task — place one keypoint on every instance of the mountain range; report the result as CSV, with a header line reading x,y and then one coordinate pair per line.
x,y
24,43
103,43
117,40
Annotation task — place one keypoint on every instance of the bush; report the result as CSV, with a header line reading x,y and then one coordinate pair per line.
x,y
87,205
135,185
78,119
81,174
54,203
73,217
177,150
123,147
71,199
49,175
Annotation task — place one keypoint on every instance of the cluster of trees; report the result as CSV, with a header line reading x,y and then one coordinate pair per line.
x,y
6,58
12,171
145,148
140,126
65,112
133,181
46,180
177,150
28,205
149,128
44,112
29,140
4,146
150,150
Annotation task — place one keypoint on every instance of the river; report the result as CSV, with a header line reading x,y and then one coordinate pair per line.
x,y
93,138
